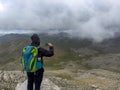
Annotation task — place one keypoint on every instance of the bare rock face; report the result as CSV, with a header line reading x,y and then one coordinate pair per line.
x,y
46,85
9,79
95,79
16,80
49,85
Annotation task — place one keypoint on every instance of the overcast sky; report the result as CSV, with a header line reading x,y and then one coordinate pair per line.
x,y
96,19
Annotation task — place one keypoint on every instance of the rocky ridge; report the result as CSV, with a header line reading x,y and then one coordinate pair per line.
x,y
9,79
16,80
95,79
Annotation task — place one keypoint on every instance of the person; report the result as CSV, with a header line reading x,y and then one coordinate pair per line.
x,y
37,77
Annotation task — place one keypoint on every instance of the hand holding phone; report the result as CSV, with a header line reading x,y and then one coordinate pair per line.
x,y
49,44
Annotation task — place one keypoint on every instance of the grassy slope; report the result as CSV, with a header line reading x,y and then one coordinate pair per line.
x,y
11,52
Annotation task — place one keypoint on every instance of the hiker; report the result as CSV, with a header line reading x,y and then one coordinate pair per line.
x,y
37,76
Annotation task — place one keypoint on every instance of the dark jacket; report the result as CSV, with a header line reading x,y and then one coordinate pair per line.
x,y
47,53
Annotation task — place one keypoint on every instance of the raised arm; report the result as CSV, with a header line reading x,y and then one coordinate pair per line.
x,y
47,53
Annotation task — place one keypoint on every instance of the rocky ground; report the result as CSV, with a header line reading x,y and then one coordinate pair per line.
x,y
46,85
95,79
9,79
16,80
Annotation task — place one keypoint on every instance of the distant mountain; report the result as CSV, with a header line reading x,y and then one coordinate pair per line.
x,y
67,49
9,37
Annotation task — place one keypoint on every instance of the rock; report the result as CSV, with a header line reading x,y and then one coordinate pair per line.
x,y
21,86
2,89
9,79
6,77
46,85
94,87
15,80
95,79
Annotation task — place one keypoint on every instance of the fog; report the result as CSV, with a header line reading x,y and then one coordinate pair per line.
x,y
95,19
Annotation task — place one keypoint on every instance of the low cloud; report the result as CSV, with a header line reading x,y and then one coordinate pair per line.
x,y
95,19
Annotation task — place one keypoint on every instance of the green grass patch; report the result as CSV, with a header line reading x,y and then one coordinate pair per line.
x,y
61,59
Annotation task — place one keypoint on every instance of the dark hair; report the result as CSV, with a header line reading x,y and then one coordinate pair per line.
x,y
35,40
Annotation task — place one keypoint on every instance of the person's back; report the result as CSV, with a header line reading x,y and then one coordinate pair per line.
x,y
36,77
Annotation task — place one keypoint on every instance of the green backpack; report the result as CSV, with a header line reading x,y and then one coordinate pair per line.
x,y
30,61
30,58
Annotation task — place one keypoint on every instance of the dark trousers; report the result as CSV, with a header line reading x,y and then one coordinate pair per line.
x,y
36,78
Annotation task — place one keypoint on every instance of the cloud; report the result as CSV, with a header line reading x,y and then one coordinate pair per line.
x,y
95,19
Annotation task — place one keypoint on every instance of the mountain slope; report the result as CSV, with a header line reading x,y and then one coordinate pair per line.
x,y
83,53
77,63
